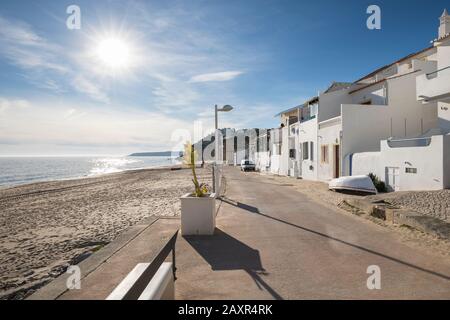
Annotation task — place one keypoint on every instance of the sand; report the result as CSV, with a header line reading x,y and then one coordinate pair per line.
x,y
45,227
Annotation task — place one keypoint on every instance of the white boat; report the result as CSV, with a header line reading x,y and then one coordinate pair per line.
x,y
354,183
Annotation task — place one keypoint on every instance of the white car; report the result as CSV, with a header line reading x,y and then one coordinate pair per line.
x,y
247,165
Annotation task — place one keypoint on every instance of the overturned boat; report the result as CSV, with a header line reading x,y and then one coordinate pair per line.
x,y
355,184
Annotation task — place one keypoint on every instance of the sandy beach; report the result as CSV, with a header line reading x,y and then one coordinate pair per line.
x,y
45,227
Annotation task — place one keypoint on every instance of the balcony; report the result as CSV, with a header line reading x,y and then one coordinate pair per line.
x,y
434,86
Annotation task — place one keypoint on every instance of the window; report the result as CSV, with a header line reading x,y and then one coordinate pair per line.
x,y
311,150
324,154
277,149
292,153
305,150
411,170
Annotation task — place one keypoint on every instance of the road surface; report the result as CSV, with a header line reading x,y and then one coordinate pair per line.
x,y
273,242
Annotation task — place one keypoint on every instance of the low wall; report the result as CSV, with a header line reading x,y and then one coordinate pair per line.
x,y
418,168
367,162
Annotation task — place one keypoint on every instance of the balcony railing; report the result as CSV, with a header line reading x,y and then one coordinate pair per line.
x,y
434,86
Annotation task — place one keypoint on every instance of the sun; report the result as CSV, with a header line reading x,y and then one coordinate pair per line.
x,y
114,53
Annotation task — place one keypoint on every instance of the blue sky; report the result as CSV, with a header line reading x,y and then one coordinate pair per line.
x,y
56,96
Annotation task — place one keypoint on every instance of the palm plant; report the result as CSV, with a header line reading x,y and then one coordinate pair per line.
x,y
190,157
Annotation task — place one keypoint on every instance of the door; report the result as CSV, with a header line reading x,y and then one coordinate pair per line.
x,y
392,178
337,162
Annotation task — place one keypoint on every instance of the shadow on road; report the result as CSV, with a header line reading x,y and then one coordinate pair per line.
x,y
223,252
255,210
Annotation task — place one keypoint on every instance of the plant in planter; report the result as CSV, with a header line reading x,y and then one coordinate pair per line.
x,y
198,209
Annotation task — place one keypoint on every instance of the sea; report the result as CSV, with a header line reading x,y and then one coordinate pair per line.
x,y
16,171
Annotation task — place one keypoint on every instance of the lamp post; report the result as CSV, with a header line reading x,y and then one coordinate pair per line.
x,y
226,108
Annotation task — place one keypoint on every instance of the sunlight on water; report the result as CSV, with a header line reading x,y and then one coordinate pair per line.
x,y
111,165
21,170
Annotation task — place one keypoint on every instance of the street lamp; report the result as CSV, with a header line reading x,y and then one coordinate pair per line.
x,y
225,108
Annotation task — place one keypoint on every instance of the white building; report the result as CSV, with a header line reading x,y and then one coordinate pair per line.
x,y
356,128
420,162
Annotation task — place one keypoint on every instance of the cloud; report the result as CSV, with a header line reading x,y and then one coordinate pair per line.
x,y
84,127
7,104
175,48
84,85
47,65
218,76
26,49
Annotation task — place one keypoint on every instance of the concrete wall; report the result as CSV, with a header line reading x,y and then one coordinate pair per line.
x,y
362,129
262,161
443,55
444,115
330,104
308,133
432,163
446,161
275,164
367,162
284,158
365,126
329,134
375,93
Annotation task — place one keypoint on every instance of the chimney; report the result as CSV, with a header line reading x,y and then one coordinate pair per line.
x,y
444,28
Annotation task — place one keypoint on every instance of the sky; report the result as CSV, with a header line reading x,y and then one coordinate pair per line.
x,y
141,75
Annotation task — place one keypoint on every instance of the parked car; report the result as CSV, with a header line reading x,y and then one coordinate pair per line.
x,y
247,165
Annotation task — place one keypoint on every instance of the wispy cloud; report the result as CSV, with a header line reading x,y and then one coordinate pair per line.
x,y
175,50
84,85
8,104
217,76
47,64
25,123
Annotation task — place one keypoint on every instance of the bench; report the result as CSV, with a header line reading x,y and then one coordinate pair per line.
x,y
150,281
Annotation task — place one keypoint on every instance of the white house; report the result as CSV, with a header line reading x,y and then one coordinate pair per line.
x,y
420,162
382,111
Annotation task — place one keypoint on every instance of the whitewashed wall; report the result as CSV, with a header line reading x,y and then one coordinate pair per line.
x,y
330,104
262,161
284,158
275,164
364,163
365,126
376,93
308,133
432,163
329,134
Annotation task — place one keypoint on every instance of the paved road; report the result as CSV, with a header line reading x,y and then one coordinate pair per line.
x,y
272,242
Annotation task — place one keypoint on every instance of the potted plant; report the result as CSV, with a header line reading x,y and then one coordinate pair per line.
x,y
198,209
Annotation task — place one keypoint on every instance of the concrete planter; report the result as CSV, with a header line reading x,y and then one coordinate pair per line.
x,y
198,215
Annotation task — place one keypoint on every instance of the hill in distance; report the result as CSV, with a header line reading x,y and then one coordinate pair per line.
x,y
154,154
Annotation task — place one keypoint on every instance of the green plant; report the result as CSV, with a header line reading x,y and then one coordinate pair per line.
x,y
379,185
189,159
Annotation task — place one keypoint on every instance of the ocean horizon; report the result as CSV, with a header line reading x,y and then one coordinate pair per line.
x,y
19,170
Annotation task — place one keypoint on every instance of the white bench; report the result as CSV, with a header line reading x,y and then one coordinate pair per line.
x,y
150,281
160,287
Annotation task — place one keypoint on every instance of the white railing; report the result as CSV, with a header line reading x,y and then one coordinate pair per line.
x,y
434,85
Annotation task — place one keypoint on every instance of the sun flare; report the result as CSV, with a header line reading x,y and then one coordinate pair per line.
x,y
114,53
